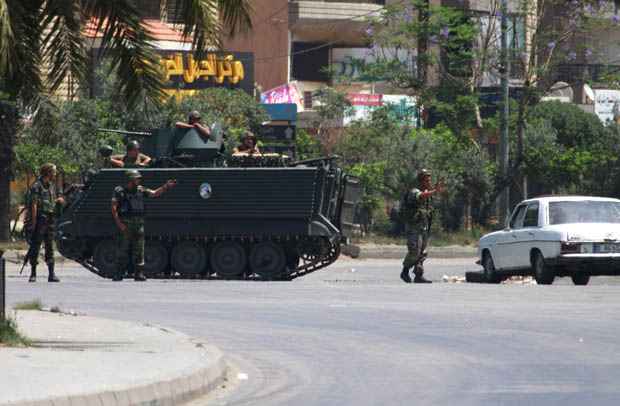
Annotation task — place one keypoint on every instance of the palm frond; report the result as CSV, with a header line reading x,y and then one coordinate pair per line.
x,y
236,15
129,46
63,46
205,20
20,54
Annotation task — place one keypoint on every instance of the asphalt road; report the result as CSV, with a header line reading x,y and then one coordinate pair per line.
x,y
353,334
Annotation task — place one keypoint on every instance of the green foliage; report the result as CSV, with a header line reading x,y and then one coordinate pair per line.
x,y
68,134
307,146
31,305
9,335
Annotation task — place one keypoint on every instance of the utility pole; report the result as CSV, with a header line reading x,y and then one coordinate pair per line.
x,y
504,197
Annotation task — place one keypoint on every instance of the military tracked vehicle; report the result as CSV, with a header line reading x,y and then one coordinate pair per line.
x,y
264,217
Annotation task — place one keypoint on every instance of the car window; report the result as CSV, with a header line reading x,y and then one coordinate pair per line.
x,y
531,216
517,218
585,211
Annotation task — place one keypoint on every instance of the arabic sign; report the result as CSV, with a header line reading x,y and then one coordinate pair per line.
x,y
287,93
363,99
184,72
401,107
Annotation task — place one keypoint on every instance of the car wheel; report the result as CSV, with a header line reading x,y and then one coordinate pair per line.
x,y
490,273
543,274
580,278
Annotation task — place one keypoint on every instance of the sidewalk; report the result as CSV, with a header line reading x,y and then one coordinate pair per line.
x,y
80,360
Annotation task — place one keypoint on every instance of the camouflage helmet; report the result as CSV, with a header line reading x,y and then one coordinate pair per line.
x,y
424,173
133,144
133,174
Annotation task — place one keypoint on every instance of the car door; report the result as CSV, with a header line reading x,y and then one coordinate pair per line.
x,y
524,238
507,238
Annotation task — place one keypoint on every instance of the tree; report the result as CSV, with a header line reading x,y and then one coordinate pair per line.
x,y
41,45
457,50
69,135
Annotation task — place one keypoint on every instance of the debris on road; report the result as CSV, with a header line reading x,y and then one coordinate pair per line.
x,y
520,280
453,279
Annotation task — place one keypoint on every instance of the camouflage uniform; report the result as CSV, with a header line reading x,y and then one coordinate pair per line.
x,y
130,244
44,196
416,214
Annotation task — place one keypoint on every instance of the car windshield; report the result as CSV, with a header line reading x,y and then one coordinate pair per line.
x,y
586,211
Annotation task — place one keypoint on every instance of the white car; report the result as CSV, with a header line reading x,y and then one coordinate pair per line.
x,y
576,236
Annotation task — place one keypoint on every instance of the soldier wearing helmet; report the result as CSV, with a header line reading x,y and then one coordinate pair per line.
x,y
41,202
248,145
193,122
417,211
128,214
133,158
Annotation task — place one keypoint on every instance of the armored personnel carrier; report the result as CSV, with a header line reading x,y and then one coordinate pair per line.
x,y
263,217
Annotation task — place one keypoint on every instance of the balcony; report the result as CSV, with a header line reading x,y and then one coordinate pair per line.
x,y
332,11
315,21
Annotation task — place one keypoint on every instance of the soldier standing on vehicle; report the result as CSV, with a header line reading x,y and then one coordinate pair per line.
x,y
133,158
417,212
248,145
128,213
193,121
41,213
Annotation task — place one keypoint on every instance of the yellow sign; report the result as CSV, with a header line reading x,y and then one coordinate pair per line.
x,y
190,71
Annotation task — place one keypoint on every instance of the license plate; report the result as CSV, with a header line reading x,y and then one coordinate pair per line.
x,y
606,248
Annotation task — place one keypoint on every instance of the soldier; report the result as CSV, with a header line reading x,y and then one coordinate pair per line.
x,y
133,158
128,214
41,203
417,211
248,145
193,121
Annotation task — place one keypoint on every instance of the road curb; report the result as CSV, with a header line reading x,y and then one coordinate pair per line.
x,y
167,392
392,251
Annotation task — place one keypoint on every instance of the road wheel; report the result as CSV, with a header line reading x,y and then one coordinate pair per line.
x,y
268,260
580,278
188,258
155,258
490,273
542,273
105,257
228,260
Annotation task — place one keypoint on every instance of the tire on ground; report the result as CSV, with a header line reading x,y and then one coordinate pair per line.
x,y
543,273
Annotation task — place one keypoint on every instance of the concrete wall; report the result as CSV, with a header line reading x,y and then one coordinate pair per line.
x,y
268,40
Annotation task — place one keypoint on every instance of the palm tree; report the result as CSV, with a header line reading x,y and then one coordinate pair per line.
x,y
41,45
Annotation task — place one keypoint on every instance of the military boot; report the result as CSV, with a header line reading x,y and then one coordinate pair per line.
x,y
52,276
419,275
404,275
139,275
33,274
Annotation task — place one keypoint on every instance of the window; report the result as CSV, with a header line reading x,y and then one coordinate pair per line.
x,y
531,216
516,221
310,61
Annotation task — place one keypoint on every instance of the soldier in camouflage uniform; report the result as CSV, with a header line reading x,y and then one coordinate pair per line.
x,y
128,213
417,210
41,204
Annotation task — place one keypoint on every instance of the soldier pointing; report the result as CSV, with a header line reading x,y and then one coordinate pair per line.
x,y
128,213
417,213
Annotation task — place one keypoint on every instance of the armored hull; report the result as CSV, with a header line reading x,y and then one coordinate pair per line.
x,y
231,223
